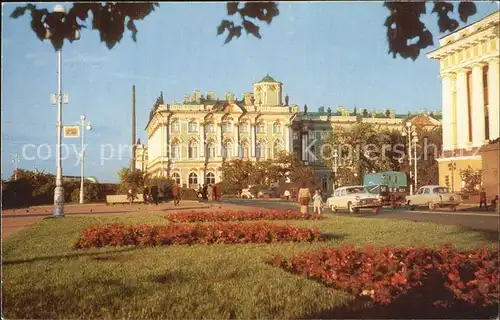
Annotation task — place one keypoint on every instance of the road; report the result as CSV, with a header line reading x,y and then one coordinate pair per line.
x,y
476,220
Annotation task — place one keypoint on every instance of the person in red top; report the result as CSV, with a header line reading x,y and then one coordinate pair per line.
x,y
217,192
176,193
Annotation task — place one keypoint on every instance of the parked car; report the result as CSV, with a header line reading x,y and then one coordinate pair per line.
x,y
246,194
354,198
434,196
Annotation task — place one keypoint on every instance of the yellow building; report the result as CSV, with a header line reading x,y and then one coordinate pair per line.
x,y
469,69
189,141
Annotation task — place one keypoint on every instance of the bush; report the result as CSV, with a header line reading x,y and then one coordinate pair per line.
x,y
444,276
215,233
197,216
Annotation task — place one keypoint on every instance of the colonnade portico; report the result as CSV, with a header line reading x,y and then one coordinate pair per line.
x,y
467,120
469,71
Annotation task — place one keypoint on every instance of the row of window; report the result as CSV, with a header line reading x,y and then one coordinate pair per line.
x,y
193,178
227,127
261,150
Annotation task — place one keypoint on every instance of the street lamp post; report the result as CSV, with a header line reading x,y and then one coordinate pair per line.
x,y
415,140
409,130
59,190
84,126
452,166
16,161
335,167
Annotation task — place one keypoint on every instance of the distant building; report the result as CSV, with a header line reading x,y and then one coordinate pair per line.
x,y
189,141
469,69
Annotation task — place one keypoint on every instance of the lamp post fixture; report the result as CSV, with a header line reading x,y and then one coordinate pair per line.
x,y
410,131
59,190
15,160
84,126
335,167
415,140
452,166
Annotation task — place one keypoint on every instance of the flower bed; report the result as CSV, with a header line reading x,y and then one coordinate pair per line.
x,y
229,233
196,216
444,276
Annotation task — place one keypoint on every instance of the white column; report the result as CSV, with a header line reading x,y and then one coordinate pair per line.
x,y
236,130
304,146
218,132
447,107
252,139
169,147
477,101
287,137
493,98
462,111
202,141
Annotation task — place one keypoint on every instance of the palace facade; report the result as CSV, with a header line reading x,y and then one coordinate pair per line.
x,y
189,141
469,69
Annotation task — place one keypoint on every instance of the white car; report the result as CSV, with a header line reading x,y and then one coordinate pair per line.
x,y
354,198
434,196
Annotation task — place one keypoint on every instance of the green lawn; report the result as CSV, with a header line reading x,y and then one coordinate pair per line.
x,y
43,277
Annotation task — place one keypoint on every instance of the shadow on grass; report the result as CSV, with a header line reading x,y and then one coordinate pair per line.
x,y
333,236
96,255
482,235
416,304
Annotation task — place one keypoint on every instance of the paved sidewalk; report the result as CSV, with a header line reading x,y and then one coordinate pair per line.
x,y
14,220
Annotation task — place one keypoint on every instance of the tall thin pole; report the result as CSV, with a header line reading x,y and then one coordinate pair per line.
x,y
59,190
415,163
82,161
132,162
409,158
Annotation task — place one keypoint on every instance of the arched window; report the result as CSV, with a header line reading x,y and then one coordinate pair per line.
x,y
175,126
261,127
278,147
276,127
245,150
226,127
260,151
244,128
175,151
210,127
193,126
210,150
193,179
210,178
193,150
176,177
227,151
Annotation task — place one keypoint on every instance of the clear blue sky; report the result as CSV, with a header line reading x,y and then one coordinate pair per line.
x,y
326,54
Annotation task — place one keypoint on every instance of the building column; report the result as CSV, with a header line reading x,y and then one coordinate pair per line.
x,y
478,127
493,97
304,146
449,118
236,130
287,137
252,139
218,132
201,152
462,110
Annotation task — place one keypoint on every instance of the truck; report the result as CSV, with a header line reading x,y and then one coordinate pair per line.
x,y
390,186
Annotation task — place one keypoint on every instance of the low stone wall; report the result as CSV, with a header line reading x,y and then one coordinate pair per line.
x,y
122,198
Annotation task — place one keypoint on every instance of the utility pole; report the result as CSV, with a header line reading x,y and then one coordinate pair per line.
x,y
132,161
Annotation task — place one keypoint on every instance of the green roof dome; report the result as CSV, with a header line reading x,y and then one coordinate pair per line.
x,y
268,78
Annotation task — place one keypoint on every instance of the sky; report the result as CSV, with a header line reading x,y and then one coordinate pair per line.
x,y
325,54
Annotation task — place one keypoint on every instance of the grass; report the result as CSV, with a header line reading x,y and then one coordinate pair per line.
x,y
43,277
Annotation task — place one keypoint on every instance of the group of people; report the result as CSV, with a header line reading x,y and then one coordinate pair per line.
x,y
483,202
210,192
304,196
150,195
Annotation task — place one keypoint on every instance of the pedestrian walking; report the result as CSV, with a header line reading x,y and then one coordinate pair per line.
x,y
131,195
176,193
317,202
154,194
210,192
217,192
205,192
304,195
494,203
286,194
145,194
482,200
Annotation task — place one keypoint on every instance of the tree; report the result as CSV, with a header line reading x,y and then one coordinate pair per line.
x,y
129,179
237,174
403,24
430,142
472,179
